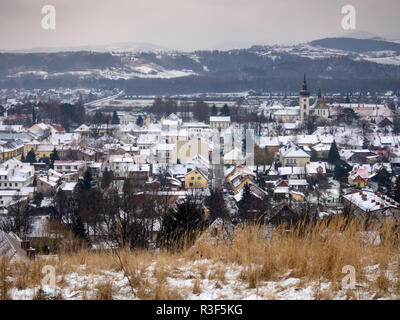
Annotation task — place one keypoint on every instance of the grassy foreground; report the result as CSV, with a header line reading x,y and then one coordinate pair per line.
x,y
250,263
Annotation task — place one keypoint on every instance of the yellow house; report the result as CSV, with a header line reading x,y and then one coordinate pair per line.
x,y
196,179
33,144
43,127
359,178
237,186
102,130
297,196
294,156
44,151
238,172
12,149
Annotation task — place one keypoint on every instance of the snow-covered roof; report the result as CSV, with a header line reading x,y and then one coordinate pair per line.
x,y
359,172
371,201
297,182
234,155
220,119
269,142
293,151
307,139
284,171
316,167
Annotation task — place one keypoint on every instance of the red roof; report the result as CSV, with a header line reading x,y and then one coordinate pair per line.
x,y
359,173
57,127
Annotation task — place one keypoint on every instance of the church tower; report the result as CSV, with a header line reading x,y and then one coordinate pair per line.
x,y
304,101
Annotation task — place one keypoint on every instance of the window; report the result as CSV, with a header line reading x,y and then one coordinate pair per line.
x,y
191,184
192,178
198,178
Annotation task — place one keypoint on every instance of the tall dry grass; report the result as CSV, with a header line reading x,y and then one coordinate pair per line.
x,y
317,252
314,253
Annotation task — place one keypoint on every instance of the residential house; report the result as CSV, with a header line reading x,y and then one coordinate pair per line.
x,y
293,155
196,179
15,174
47,185
220,123
359,177
70,166
316,168
365,203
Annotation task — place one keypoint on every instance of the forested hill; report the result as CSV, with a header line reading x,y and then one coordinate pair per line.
x,y
335,63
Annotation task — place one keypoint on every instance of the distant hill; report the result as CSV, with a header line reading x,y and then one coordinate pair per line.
x,y
119,46
357,45
337,64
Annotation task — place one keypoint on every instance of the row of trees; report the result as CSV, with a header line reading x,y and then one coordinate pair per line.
x,y
132,219
165,106
31,158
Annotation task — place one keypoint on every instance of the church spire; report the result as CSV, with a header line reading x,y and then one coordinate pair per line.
x,y
304,91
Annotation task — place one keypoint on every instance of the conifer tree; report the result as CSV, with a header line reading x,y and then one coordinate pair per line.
x,y
78,228
214,111
53,157
333,155
31,157
115,118
87,182
225,112
139,121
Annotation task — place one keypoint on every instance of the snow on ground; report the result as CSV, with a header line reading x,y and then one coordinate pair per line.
x,y
82,284
130,72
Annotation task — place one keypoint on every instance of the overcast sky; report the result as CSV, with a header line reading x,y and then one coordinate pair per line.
x,y
189,24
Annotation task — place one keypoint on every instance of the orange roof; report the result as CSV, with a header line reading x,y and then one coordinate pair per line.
x,y
57,127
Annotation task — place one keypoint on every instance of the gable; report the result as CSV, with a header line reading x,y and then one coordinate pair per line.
x,y
195,174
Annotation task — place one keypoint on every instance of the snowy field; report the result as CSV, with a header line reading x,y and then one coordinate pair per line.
x,y
196,281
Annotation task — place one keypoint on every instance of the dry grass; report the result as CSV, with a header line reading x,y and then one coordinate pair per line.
x,y
196,287
382,283
5,272
311,253
104,291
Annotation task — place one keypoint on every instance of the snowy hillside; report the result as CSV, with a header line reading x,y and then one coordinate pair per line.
x,y
363,65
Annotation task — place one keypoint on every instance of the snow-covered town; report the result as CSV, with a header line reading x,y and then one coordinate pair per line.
x,y
322,155
112,178
199,150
